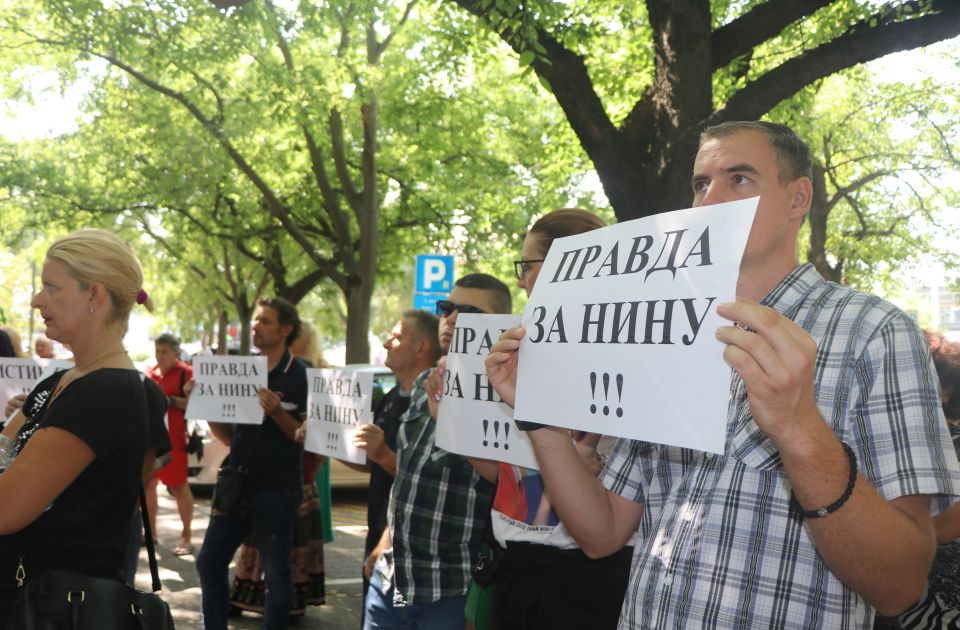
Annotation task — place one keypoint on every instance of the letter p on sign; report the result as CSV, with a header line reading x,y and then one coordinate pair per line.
x,y
434,273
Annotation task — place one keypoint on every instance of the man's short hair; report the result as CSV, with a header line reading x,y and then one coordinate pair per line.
x,y
426,326
502,300
170,340
286,315
794,159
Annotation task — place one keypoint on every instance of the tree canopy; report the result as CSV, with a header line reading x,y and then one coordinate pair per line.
x,y
638,83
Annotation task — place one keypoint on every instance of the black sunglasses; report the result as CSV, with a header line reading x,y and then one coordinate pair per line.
x,y
445,308
522,267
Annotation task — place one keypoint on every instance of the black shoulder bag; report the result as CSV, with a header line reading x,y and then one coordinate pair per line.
x,y
68,600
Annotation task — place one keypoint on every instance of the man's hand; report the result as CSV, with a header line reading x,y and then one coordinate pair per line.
x,y
269,400
501,364
300,435
586,447
775,358
188,387
384,544
434,386
370,438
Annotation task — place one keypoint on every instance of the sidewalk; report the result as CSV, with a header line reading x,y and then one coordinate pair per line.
x,y
343,560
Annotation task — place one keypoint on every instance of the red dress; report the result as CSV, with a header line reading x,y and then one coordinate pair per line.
x,y
174,474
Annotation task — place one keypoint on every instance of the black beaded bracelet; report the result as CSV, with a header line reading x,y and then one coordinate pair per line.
x,y
836,505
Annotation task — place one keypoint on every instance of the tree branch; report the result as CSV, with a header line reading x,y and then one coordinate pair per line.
x,y
756,26
570,83
859,44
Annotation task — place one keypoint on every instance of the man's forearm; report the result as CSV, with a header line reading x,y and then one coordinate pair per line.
x,y
386,458
881,549
287,423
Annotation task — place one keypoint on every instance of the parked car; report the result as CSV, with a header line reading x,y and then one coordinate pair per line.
x,y
202,471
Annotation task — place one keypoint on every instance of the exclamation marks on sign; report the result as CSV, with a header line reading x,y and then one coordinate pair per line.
x,y
619,395
229,410
593,391
333,441
496,434
605,379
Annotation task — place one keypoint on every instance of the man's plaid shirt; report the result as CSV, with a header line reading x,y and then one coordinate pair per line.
x,y
438,508
720,547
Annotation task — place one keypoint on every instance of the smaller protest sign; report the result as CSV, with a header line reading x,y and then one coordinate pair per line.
x,y
225,389
52,366
338,401
18,376
472,420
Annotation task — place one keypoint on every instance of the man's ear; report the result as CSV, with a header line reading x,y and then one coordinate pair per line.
x,y
286,329
802,197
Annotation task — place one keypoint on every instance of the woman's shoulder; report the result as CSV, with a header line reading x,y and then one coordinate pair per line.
x,y
116,384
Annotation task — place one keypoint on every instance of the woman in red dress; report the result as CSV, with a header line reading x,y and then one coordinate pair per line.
x,y
171,374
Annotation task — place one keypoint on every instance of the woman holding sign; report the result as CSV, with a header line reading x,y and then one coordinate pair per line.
x,y
543,579
69,495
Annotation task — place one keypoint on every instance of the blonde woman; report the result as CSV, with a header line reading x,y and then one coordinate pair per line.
x,y
81,434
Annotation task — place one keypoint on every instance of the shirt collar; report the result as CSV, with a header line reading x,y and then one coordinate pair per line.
x,y
787,297
283,365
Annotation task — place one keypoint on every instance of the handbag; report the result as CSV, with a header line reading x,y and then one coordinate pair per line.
x,y
70,600
195,444
488,562
229,489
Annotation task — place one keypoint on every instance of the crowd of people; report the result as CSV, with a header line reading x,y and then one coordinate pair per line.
x,y
838,481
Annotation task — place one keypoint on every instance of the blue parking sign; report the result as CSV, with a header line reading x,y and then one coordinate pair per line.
x,y
434,273
427,301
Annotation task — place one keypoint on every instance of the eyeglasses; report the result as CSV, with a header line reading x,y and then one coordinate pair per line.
x,y
445,308
522,267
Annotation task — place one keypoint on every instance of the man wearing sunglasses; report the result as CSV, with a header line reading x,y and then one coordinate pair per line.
x,y
439,504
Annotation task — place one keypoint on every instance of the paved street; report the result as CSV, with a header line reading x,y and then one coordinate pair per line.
x,y
343,558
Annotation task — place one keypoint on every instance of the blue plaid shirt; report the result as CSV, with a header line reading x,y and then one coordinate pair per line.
x,y
720,547
439,506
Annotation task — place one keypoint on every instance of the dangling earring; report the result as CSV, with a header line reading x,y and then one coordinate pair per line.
x,y
90,310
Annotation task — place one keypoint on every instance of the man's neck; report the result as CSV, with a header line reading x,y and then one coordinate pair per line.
x,y
273,355
756,283
406,379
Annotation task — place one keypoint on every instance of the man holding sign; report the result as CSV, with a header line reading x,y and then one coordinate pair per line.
x,y
818,512
273,484
412,349
439,504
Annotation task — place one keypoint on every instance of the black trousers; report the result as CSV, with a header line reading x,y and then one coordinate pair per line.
x,y
539,587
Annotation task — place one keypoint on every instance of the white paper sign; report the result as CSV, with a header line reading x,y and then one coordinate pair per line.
x,y
18,376
620,328
52,366
225,389
338,401
471,419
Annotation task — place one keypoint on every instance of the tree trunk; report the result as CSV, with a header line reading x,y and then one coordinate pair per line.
x,y
358,325
222,332
244,312
819,217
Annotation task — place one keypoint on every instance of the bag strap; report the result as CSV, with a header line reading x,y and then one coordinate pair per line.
x,y
183,379
151,552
